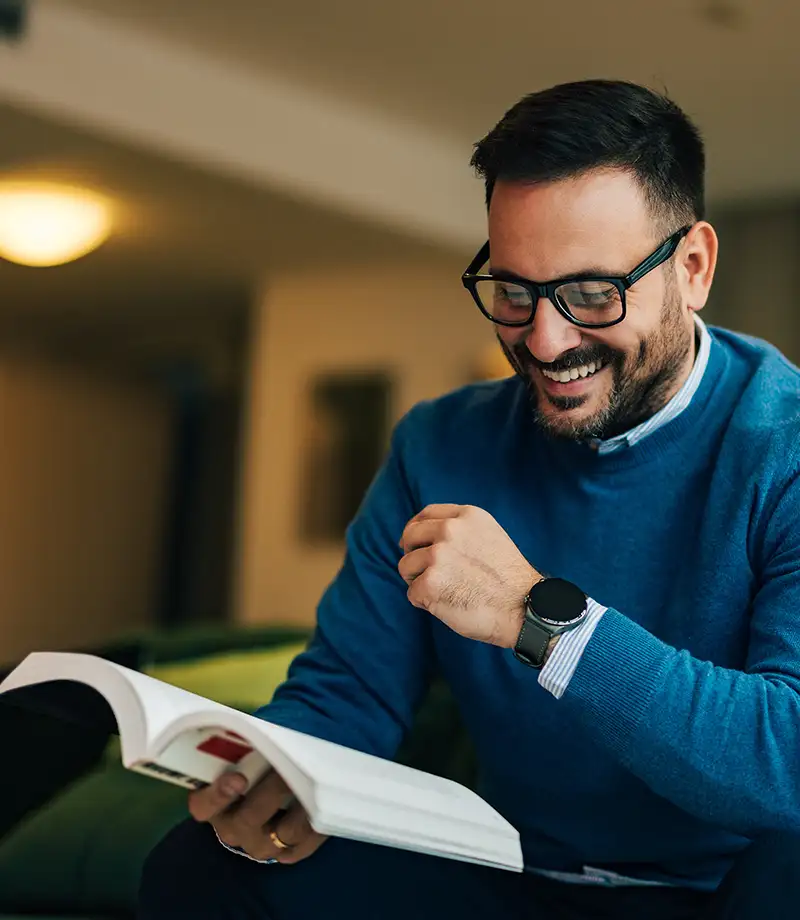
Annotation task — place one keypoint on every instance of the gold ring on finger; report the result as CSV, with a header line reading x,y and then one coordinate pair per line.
x,y
280,844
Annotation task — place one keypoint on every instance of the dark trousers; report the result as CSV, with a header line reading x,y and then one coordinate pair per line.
x,y
190,875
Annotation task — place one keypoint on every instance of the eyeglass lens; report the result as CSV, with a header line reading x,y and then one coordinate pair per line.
x,y
592,301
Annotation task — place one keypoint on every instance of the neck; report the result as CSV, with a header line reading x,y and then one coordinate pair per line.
x,y
688,364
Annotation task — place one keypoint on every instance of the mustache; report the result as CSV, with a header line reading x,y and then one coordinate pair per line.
x,y
568,360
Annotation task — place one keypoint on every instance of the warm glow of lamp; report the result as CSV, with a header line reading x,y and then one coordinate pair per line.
x,y
48,224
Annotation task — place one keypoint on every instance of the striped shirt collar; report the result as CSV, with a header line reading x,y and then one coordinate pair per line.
x,y
672,409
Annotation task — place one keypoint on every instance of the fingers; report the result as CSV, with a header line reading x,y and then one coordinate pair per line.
x,y
245,820
412,565
287,839
239,818
205,804
421,533
430,523
423,544
243,824
295,830
438,511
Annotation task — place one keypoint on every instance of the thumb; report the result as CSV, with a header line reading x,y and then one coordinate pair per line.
x,y
206,804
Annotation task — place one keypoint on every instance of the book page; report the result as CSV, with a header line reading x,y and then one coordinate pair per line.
x,y
364,775
164,704
380,821
143,706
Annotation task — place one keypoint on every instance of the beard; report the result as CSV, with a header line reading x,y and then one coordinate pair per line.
x,y
641,382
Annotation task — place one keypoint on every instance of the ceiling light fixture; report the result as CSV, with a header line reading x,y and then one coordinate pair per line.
x,y
43,224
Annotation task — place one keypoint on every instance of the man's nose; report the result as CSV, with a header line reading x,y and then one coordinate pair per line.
x,y
551,334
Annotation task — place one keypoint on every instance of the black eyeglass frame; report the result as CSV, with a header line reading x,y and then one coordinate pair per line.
x,y
547,289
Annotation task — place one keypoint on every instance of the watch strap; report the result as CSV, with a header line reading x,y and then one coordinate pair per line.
x,y
532,643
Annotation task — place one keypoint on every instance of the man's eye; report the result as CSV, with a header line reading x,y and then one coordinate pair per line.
x,y
516,296
589,294
595,297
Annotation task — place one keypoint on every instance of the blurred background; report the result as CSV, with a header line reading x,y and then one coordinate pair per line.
x,y
232,234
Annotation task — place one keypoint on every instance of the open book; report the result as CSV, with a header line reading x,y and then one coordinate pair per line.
x,y
177,736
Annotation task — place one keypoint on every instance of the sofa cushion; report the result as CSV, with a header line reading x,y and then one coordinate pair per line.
x,y
84,851
245,679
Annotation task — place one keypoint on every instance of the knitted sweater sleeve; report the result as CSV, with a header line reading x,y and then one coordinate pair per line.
x,y
722,744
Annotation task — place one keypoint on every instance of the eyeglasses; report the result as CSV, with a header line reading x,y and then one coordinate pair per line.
x,y
585,300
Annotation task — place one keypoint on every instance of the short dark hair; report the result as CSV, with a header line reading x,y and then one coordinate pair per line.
x,y
574,127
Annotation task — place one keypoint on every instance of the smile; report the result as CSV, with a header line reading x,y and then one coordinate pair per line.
x,y
585,370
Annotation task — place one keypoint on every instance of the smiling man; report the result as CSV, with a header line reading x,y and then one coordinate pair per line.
x,y
600,554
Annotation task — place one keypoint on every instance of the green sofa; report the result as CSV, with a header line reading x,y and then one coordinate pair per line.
x,y
78,826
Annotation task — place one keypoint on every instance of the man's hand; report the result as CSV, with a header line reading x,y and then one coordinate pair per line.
x,y
246,820
462,567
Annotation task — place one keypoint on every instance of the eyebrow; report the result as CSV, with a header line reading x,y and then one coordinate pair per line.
x,y
593,272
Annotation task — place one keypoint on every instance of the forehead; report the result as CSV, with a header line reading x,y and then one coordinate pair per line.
x,y
552,229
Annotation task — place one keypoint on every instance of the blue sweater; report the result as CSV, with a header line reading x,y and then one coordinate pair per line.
x,y
678,738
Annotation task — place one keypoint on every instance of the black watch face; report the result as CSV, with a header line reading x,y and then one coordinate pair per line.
x,y
557,601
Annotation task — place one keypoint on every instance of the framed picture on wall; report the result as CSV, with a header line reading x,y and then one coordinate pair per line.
x,y
347,429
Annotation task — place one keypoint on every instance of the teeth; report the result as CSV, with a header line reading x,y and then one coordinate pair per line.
x,y
574,373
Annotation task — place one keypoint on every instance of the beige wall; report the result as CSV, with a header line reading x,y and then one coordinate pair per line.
x,y
414,320
82,488
758,278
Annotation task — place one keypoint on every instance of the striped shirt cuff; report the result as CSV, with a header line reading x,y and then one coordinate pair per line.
x,y
557,673
240,852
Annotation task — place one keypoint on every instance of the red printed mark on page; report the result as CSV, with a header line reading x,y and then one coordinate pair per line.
x,y
226,746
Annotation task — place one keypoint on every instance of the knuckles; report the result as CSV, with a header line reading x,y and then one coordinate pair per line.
x,y
449,528
249,819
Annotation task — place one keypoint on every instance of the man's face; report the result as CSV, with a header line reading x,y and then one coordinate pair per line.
x,y
595,222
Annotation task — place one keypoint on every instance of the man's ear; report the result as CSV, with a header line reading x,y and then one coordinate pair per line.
x,y
696,263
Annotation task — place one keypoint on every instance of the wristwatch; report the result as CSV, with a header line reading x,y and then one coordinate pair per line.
x,y
552,606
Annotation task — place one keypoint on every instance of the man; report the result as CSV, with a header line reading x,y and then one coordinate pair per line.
x,y
601,555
